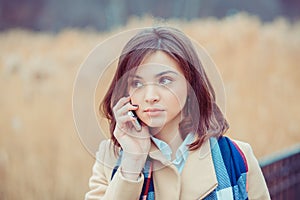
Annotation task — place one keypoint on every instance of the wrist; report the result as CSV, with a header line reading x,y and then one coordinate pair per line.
x,y
129,175
132,166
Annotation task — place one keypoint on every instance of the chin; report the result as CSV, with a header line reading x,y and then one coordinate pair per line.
x,y
155,122
155,125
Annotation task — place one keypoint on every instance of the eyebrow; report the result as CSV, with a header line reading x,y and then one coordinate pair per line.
x,y
157,75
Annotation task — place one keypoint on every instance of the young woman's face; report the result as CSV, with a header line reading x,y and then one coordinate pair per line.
x,y
159,88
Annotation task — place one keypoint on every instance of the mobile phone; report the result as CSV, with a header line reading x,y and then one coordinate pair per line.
x,y
136,122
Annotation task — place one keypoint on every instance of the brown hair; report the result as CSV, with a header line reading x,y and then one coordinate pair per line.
x,y
210,122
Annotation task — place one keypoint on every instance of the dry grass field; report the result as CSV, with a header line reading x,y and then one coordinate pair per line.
x,y
41,156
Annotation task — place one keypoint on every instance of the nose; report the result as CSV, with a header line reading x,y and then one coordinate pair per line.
x,y
151,94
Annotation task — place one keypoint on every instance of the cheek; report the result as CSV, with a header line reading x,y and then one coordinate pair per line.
x,y
178,96
136,97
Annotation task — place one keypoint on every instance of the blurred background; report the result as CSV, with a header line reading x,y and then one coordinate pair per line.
x,y
255,44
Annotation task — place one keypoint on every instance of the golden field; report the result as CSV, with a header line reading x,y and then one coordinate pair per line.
x,y
41,155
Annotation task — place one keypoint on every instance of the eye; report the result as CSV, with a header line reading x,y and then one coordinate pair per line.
x,y
165,80
136,84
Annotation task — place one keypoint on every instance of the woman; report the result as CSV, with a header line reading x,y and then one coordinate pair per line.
x,y
167,130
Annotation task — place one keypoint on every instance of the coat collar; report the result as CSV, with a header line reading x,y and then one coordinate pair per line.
x,y
197,179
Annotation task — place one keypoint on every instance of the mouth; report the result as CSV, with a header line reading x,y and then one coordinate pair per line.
x,y
154,111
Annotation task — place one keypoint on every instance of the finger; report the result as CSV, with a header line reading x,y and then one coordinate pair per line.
x,y
125,125
121,103
127,107
124,119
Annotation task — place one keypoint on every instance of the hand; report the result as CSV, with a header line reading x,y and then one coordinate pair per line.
x,y
135,144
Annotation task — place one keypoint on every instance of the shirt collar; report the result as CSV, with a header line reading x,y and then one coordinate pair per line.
x,y
181,152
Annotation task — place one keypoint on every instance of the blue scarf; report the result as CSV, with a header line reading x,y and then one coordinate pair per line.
x,y
231,170
230,166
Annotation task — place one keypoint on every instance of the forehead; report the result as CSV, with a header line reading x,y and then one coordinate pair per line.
x,y
157,62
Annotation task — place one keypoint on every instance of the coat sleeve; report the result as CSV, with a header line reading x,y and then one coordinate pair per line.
x,y
101,187
257,187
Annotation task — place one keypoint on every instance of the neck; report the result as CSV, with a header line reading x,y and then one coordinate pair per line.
x,y
170,134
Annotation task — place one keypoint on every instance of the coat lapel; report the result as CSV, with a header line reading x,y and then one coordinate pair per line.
x,y
166,178
198,176
197,179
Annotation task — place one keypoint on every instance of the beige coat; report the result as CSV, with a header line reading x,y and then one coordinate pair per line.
x,y
196,181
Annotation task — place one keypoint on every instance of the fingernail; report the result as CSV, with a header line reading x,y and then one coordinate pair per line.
x,y
135,105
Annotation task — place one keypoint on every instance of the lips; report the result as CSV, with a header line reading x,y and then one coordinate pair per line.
x,y
154,111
